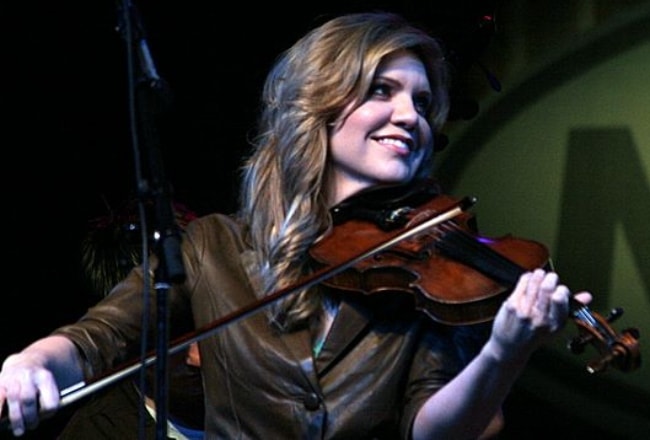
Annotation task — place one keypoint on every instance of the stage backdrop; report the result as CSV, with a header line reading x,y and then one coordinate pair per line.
x,y
562,155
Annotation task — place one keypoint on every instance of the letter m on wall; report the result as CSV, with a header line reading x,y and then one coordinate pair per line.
x,y
605,191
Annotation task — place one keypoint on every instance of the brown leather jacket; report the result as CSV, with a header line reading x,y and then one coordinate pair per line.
x,y
375,370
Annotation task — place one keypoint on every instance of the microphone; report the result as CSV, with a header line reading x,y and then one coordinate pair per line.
x,y
131,28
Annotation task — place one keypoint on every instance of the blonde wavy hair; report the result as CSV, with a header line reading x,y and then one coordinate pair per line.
x,y
285,192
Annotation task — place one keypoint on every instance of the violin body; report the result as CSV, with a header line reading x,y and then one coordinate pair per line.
x,y
446,289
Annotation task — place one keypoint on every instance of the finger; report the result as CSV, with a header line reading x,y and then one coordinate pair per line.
x,y
49,396
583,297
28,399
23,405
517,295
547,286
3,399
559,307
30,412
15,416
529,304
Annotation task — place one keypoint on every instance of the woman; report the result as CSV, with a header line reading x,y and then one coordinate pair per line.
x,y
353,105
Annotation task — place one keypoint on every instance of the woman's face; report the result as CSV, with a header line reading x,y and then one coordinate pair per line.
x,y
384,140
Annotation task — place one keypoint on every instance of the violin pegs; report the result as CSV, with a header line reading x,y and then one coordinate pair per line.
x,y
577,343
633,332
614,314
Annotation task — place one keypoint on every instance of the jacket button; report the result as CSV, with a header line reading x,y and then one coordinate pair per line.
x,y
311,401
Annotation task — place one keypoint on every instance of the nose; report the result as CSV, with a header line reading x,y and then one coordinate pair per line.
x,y
405,113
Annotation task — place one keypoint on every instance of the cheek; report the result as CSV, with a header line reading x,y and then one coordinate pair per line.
x,y
355,128
426,136
367,117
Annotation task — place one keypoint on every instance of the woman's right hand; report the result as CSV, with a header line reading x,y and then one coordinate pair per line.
x,y
28,391
30,382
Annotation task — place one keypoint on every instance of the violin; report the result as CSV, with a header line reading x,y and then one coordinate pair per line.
x,y
453,274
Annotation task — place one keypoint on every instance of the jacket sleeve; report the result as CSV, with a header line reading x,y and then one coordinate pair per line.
x,y
109,333
443,352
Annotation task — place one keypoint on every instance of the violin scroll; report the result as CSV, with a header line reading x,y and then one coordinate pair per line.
x,y
618,350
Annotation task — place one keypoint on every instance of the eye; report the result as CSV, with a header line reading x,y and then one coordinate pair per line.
x,y
422,103
379,90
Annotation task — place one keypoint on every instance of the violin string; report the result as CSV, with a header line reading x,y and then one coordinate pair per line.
x,y
456,243
468,250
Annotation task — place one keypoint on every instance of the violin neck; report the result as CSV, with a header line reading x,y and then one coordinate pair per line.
x,y
467,249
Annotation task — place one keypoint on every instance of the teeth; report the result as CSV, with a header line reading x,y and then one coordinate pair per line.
x,y
396,142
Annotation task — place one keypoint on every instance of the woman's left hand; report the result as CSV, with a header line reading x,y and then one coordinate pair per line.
x,y
537,308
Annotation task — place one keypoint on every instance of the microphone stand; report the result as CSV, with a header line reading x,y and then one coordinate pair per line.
x,y
149,99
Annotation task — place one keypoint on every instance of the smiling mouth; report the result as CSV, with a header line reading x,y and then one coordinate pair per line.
x,y
398,144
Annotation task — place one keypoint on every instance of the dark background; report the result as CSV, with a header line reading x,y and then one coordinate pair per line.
x,y
66,134
69,155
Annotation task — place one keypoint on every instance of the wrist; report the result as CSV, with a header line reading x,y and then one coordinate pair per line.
x,y
496,353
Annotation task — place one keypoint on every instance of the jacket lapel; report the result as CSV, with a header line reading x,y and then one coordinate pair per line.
x,y
351,319
299,344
